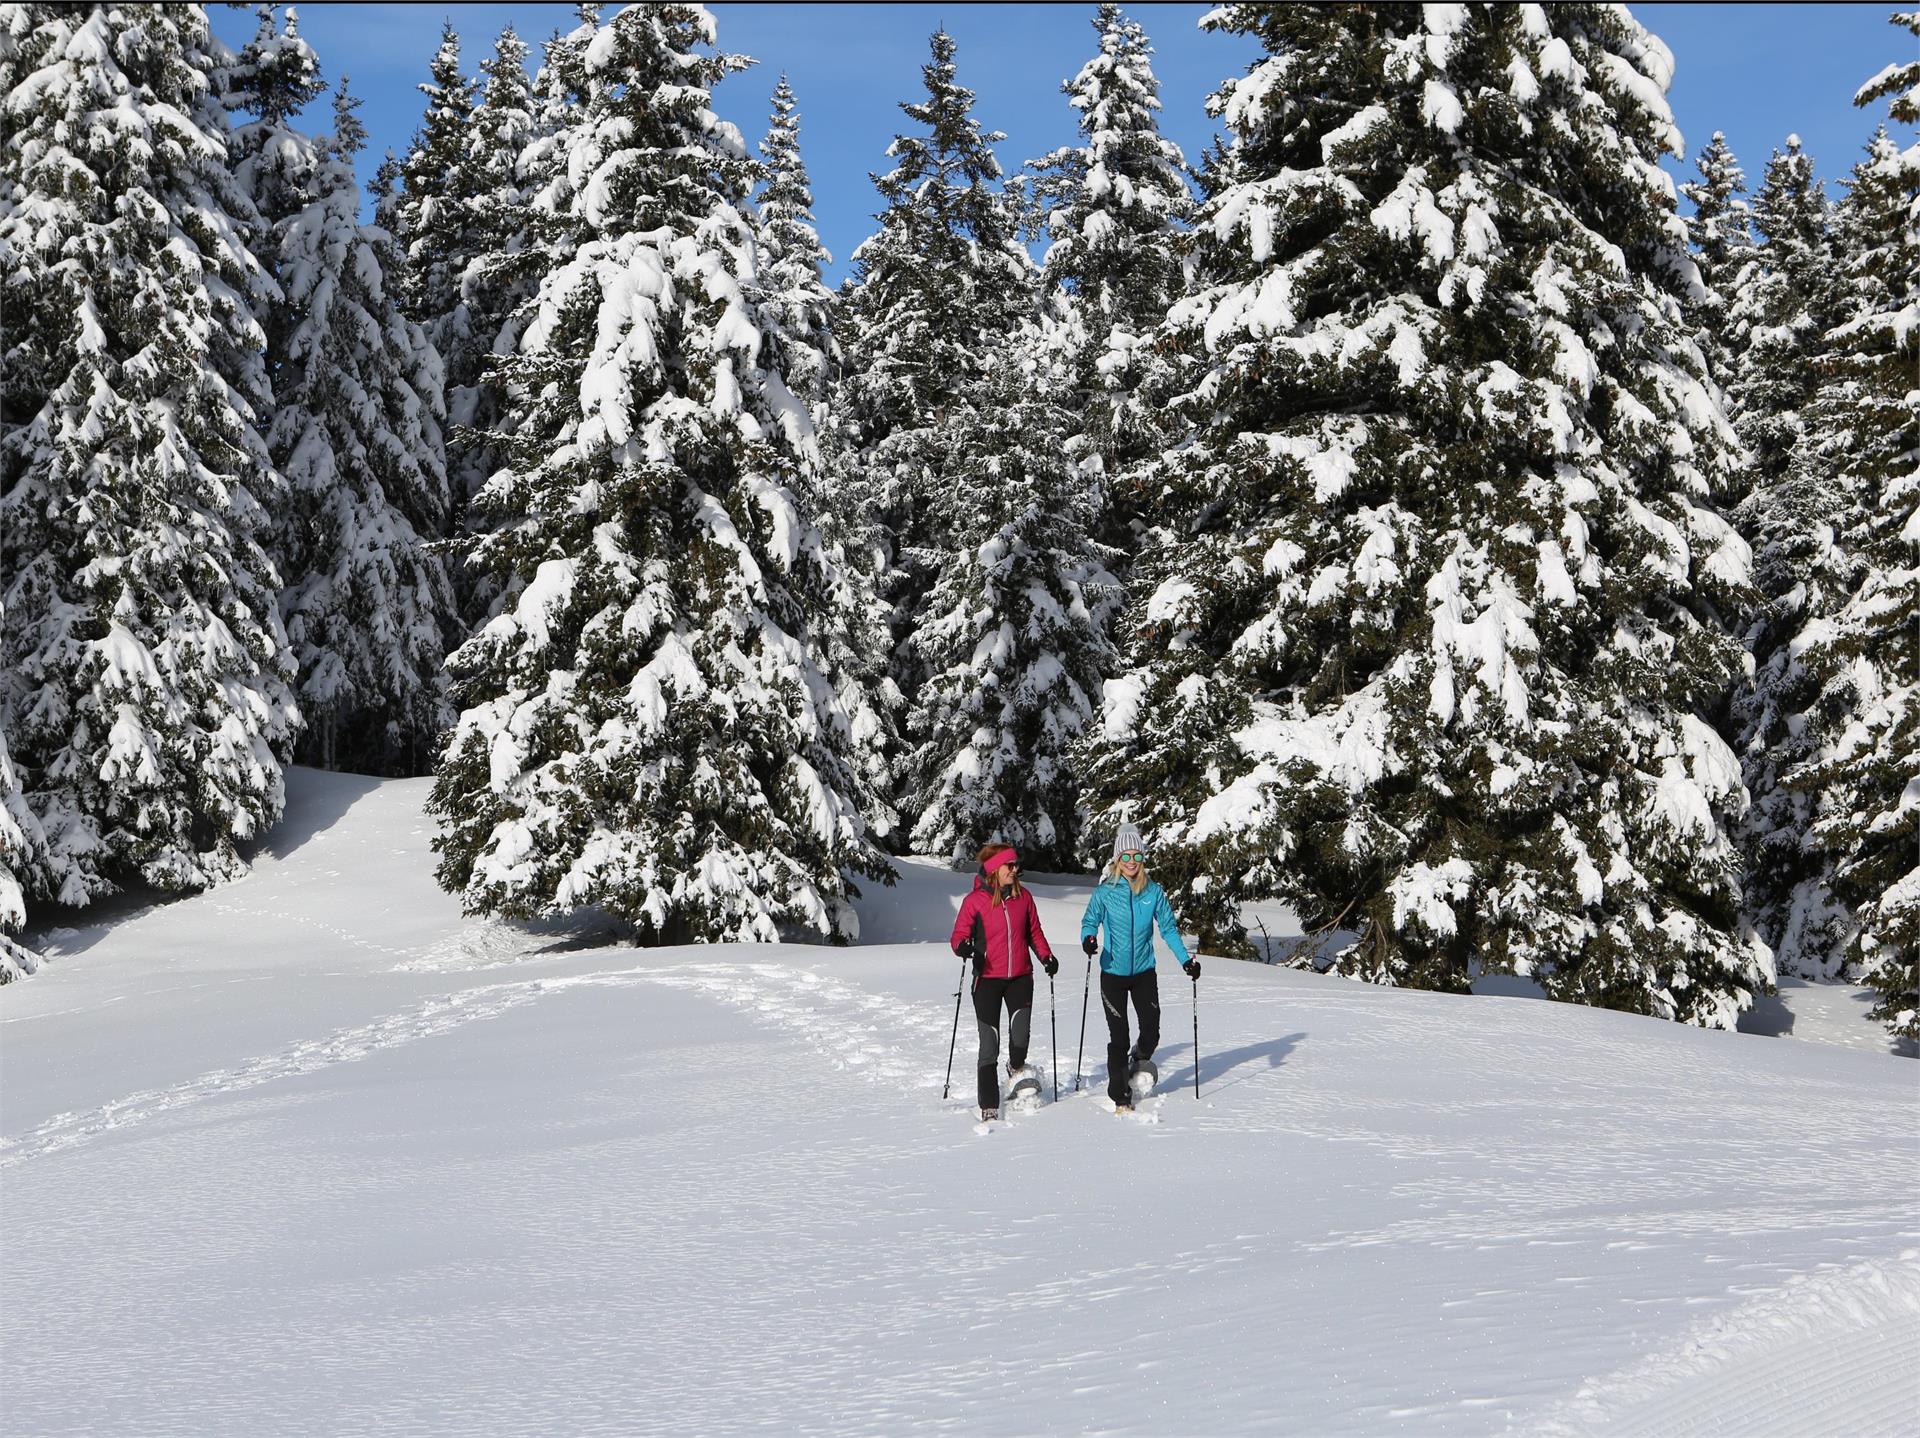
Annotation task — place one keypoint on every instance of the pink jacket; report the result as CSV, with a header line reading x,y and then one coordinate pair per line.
x,y
1010,929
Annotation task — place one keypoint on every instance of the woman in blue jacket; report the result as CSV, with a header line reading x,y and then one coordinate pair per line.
x,y
1129,907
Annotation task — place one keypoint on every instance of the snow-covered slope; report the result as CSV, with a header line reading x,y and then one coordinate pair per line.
x,y
309,1154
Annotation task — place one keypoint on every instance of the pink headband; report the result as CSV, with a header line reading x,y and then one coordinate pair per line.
x,y
994,861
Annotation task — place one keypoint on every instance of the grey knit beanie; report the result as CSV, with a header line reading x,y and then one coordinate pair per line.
x,y
1127,841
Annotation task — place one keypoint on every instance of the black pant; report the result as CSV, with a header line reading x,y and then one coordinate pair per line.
x,y
1115,989
988,996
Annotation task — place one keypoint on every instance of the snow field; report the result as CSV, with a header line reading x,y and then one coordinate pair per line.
x,y
309,1154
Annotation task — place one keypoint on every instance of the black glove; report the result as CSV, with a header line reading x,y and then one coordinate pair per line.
x,y
1192,966
1051,965
1090,944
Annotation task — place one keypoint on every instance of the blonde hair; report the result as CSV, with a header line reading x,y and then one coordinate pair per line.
x,y
987,851
1138,883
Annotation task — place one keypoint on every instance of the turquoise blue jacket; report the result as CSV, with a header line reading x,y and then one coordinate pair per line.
x,y
1129,920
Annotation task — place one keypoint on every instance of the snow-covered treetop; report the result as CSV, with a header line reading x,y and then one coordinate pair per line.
x,y
955,154
649,152
277,73
792,260
786,196
276,76
1125,184
349,136
1721,217
1790,208
945,275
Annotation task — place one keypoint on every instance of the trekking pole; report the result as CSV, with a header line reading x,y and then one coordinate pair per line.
x,y
1196,1039
1053,1021
1081,1050
947,1087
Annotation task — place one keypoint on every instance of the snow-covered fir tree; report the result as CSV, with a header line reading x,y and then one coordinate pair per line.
x,y
646,724
144,674
23,846
789,286
1784,306
508,244
1796,518
1720,233
1865,428
356,432
1803,518
1113,205
23,851
431,215
1014,635
794,309
935,294
1433,653
502,272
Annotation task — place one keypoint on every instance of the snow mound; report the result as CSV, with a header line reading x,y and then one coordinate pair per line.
x,y
1828,1352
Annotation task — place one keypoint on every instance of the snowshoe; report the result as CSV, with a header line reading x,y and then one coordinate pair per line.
x,y
1023,1082
1142,1075
987,1115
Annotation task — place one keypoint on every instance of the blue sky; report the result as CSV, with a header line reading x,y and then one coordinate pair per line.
x,y
1758,72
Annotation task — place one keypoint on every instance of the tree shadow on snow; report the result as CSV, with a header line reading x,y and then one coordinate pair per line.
x,y
316,799
1255,1059
1769,1015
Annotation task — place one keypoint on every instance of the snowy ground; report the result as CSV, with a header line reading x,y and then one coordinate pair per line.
x,y
311,1155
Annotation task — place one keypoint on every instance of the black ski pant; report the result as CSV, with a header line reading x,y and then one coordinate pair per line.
x,y
989,995
1115,989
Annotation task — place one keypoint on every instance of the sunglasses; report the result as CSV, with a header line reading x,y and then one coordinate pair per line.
x,y
1134,858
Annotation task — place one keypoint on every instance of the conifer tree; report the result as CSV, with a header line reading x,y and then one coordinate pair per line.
x,y
23,847
795,310
431,216
502,272
792,294
1014,641
23,857
144,675
1431,656
1803,517
935,293
356,431
1785,306
646,726
1719,232
22,866
1113,205
1866,429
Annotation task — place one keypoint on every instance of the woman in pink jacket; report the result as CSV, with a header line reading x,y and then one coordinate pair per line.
x,y
997,925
